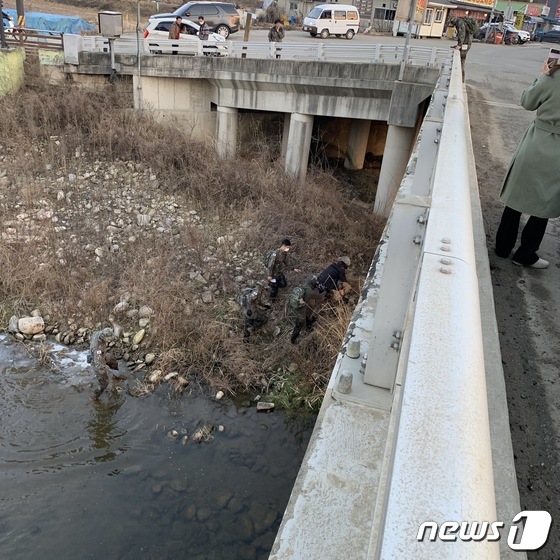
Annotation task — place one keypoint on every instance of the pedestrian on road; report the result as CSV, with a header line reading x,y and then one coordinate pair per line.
x,y
532,182
276,33
204,31
277,262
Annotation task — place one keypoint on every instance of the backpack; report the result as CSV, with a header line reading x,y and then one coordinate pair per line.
x,y
296,298
470,25
267,258
245,296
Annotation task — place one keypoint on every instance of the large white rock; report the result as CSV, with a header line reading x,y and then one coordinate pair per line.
x,y
31,325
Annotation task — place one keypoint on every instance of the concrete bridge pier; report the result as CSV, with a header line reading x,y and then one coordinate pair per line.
x,y
356,147
226,132
398,147
298,145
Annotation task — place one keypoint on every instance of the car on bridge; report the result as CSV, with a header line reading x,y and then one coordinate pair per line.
x,y
156,33
221,17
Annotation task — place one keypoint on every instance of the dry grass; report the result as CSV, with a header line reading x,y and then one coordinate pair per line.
x,y
43,130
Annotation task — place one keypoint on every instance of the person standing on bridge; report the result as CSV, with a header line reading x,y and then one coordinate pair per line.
x,y
175,30
204,31
465,28
276,33
532,182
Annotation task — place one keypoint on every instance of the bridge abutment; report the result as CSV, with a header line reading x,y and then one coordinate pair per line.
x,y
299,141
226,132
398,147
356,148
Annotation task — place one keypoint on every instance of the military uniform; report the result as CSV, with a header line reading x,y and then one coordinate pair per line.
x,y
101,361
464,41
304,314
278,263
253,313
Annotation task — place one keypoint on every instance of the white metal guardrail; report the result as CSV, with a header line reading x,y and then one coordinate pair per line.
x,y
328,52
442,461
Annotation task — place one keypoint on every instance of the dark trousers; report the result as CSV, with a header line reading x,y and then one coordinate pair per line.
x,y
303,317
531,237
254,322
275,283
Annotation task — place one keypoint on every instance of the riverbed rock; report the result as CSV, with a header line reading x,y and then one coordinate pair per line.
x,y
139,336
31,325
190,511
204,513
13,324
145,312
245,528
149,359
222,497
235,505
263,406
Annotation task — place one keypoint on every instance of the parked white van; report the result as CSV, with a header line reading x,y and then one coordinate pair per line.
x,y
332,19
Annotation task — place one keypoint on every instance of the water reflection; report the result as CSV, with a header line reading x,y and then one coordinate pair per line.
x,y
60,454
102,425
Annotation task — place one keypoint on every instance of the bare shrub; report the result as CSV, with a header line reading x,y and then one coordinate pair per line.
x,y
47,133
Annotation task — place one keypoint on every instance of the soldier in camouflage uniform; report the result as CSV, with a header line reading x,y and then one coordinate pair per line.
x,y
465,28
102,362
277,265
253,309
304,310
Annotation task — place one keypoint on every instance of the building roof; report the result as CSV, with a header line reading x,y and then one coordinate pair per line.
x,y
472,6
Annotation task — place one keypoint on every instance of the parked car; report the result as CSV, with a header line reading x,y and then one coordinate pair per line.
x,y
512,34
552,36
332,19
158,29
221,17
8,22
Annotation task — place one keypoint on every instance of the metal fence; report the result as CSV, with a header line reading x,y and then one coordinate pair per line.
x,y
327,52
33,40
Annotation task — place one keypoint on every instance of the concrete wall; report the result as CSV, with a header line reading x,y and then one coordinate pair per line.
x,y
11,70
184,101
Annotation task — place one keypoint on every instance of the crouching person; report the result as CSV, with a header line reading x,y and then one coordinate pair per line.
x,y
103,363
303,302
333,279
253,307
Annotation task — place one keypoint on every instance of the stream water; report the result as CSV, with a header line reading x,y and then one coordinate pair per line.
x,y
106,480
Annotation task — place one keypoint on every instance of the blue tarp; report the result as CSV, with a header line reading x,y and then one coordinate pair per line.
x,y
52,22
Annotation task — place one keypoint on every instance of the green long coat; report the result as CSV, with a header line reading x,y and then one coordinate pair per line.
x,y
532,183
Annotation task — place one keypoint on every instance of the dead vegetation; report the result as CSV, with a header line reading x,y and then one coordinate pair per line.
x,y
43,130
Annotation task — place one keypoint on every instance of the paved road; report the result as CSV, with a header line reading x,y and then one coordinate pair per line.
x,y
527,301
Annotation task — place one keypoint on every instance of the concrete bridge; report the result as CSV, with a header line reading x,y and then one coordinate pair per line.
x,y
382,102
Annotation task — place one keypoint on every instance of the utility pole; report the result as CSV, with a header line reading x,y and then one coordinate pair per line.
x,y
3,44
411,18
20,13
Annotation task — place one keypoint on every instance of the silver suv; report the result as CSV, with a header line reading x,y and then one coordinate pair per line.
x,y
221,17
